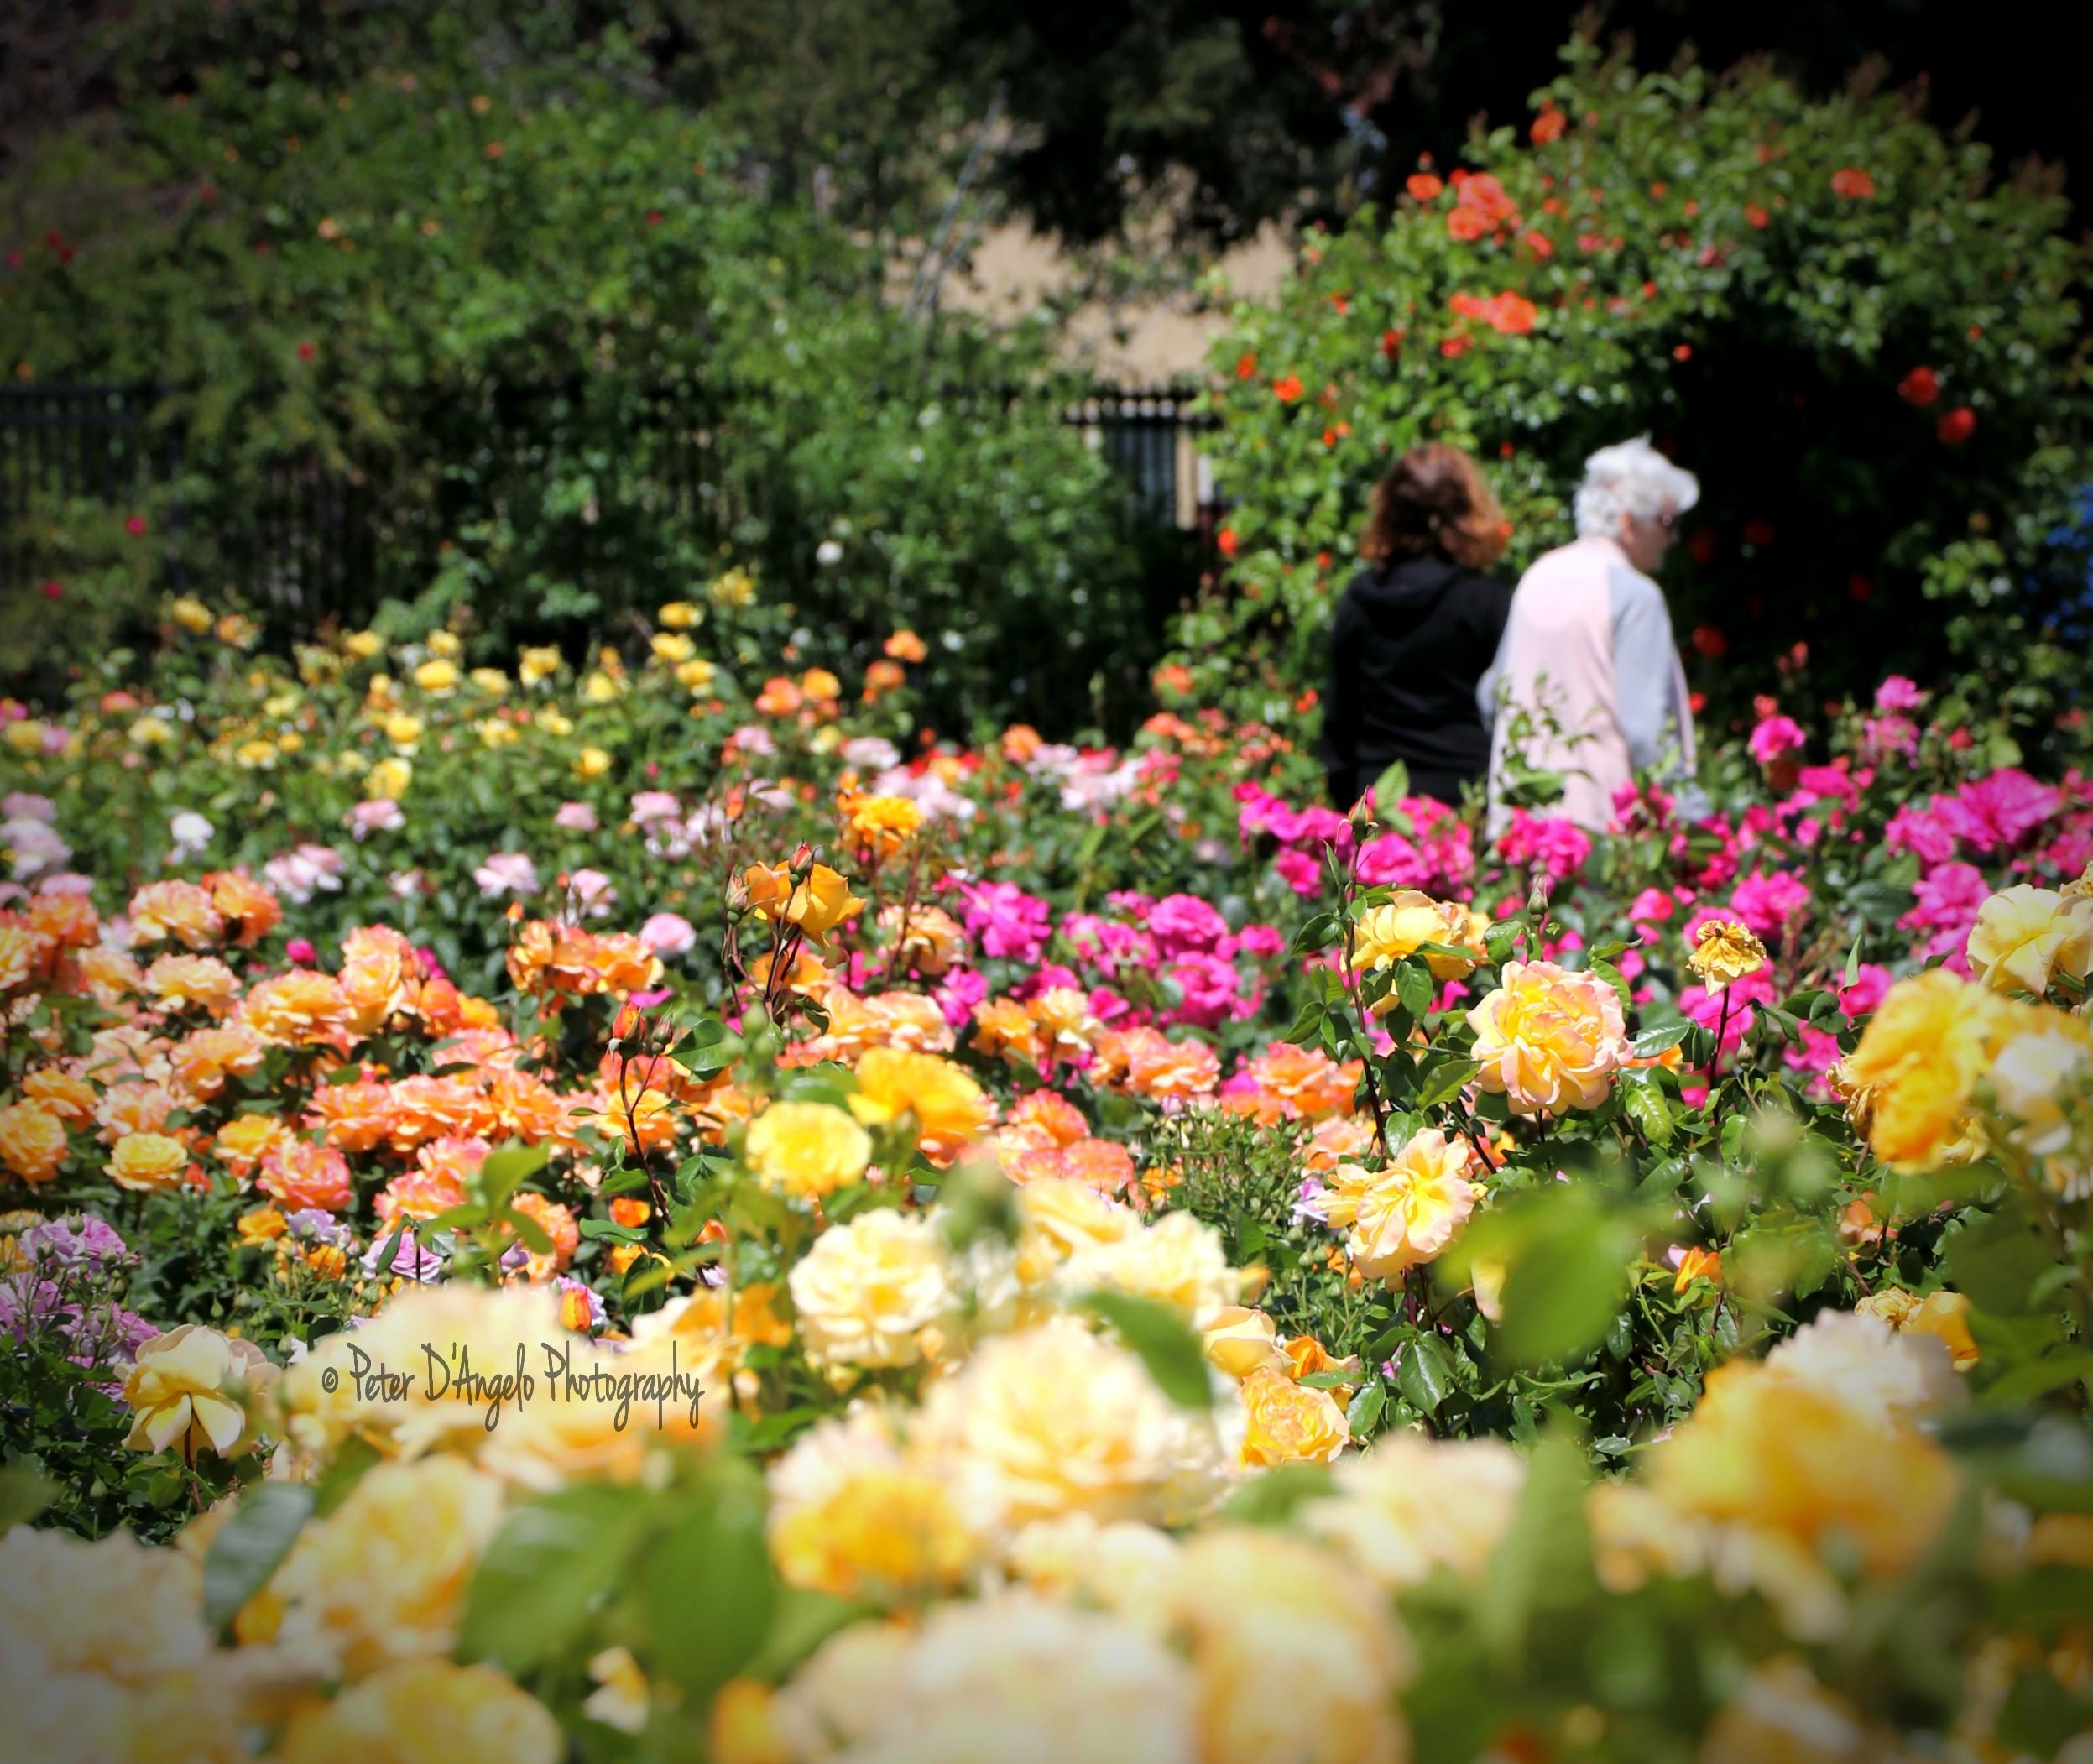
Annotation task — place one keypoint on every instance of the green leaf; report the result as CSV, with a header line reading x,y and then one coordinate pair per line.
x,y
1414,986
1364,1408
804,1619
1646,1108
1996,1259
1853,957
251,1546
1425,1374
529,1230
1390,787
1445,1080
1308,1026
1659,1038
503,1172
1163,1340
1317,934
553,1559
707,1589
23,1495
1543,1563
388,1251
1273,1498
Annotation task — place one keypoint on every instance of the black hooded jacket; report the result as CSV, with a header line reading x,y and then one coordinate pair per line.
x,y
1409,642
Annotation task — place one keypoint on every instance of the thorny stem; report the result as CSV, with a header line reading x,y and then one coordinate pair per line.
x,y
1347,883
1715,1059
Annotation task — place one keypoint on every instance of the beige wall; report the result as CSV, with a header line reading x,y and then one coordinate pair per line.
x,y
1131,343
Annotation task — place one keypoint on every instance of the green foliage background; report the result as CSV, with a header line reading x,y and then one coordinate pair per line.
x,y
516,336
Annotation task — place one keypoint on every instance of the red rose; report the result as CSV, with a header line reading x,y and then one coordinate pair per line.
x,y
307,350
1851,182
1957,426
1286,388
1246,365
1548,127
135,526
1710,642
1225,542
1391,344
1920,387
1423,186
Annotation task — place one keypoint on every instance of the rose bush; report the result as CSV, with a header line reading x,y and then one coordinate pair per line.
x,y
964,1221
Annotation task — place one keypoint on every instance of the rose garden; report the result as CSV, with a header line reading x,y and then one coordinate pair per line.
x,y
802,1137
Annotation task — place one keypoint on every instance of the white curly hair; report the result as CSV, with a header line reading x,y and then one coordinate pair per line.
x,y
1631,478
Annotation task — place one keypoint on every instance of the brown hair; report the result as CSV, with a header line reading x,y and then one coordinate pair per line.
x,y
1435,500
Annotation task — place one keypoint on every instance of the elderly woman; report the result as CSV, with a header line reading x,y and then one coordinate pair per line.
x,y
1414,630
1587,683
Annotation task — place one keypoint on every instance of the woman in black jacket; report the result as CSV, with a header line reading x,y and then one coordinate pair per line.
x,y
1415,631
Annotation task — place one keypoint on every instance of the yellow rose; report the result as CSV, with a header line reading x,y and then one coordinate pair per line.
x,y
534,664
950,1110
1054,1419
1910,1081
1298,1655
591,762
736,588
867,1291
817,904
494,733
697,673
679,615
672,647
1775,1454
1407,1506
807,1149
1386,934
1400,1217
251,753
26,737
490,680
850,1517
364,645
1178,1261
1724,951
599,688
193,1387
553,723
445,643
152,732
1241,1341
884,823
144,1162
1549,1040
439,675
32,1143
192,614
2023,934
426,1712
382,1577
387,780
1289,1423
402,730
820,683
1947,1315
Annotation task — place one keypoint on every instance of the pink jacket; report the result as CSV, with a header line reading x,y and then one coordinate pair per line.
x,y
1587,655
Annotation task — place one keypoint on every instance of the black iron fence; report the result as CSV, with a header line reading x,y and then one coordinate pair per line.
x,y
316,527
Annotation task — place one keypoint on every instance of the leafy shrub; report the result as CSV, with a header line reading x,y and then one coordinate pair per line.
x,y
508,349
